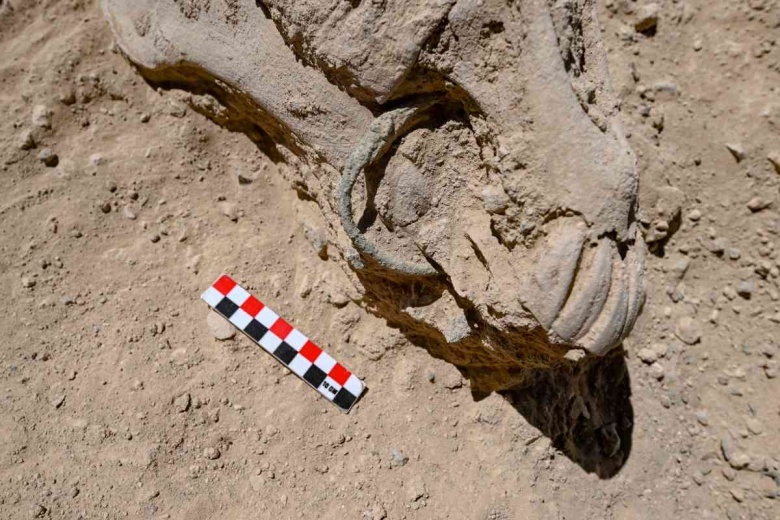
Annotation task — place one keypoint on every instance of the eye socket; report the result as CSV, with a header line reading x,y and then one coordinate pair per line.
x,y
408,200
406,190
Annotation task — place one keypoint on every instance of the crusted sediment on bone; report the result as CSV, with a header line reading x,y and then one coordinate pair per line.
x,y
521,104
367,46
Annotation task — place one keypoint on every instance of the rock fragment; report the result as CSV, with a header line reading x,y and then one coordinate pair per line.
x,y
41,116
733,253
737,494
219,327
245,178
318,240
757,204
774,158
48,157
745,288
230,210
652,353
494,199
96,160
57,400
647,18
681,266
415,489
211,453
755,426
688,330
256,482
26,140
736,150
736,459
657,371
182,403
397,459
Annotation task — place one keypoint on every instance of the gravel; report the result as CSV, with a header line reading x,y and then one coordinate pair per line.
x,y
219,327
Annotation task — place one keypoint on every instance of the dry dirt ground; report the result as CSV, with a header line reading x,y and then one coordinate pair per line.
x,y
116,401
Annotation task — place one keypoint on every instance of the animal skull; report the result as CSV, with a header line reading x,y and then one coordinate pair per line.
x,y
467,153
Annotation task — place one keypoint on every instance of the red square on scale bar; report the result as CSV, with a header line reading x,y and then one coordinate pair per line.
x,y
310,351
225,284
281,328
339,374
252,306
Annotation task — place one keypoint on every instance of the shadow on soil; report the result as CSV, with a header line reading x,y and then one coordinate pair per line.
x,y
584,409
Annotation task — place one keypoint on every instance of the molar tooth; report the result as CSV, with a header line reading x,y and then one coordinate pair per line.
x,y
635,261
608,328
590,291
546,289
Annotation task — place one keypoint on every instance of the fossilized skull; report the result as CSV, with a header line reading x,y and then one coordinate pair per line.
x,y
467,155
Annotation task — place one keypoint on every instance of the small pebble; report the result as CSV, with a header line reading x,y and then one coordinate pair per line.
x,y
774,158
494,199
41,116
755,426
757,204
657,371
688,330
256,482
182,403
243,178
211,453
26,140
647,18
736,150
219,327
745,289
397,459
96,160
230,210
651,354
736,459
48,157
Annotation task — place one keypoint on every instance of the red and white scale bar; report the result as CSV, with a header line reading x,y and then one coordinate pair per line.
x,y
287,344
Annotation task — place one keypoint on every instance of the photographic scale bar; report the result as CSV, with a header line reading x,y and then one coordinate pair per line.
x,y
284,342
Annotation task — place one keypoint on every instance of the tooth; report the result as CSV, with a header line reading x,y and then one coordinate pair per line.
x,y
635,261
607,330
546,289
590,291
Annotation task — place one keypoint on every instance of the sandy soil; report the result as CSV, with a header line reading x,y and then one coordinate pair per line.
x,y
117,401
